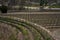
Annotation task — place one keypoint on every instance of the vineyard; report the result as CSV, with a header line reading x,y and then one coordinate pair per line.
x,y
14,28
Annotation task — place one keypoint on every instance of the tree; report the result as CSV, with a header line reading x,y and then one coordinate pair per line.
x,y
42,4
22,3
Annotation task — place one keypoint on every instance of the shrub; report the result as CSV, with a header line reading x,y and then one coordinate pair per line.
x,y
3,9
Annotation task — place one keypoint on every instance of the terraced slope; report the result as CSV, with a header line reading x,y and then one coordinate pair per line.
x,y
26,30
7,32
46,20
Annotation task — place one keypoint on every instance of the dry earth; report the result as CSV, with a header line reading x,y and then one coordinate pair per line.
x,y
8,32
